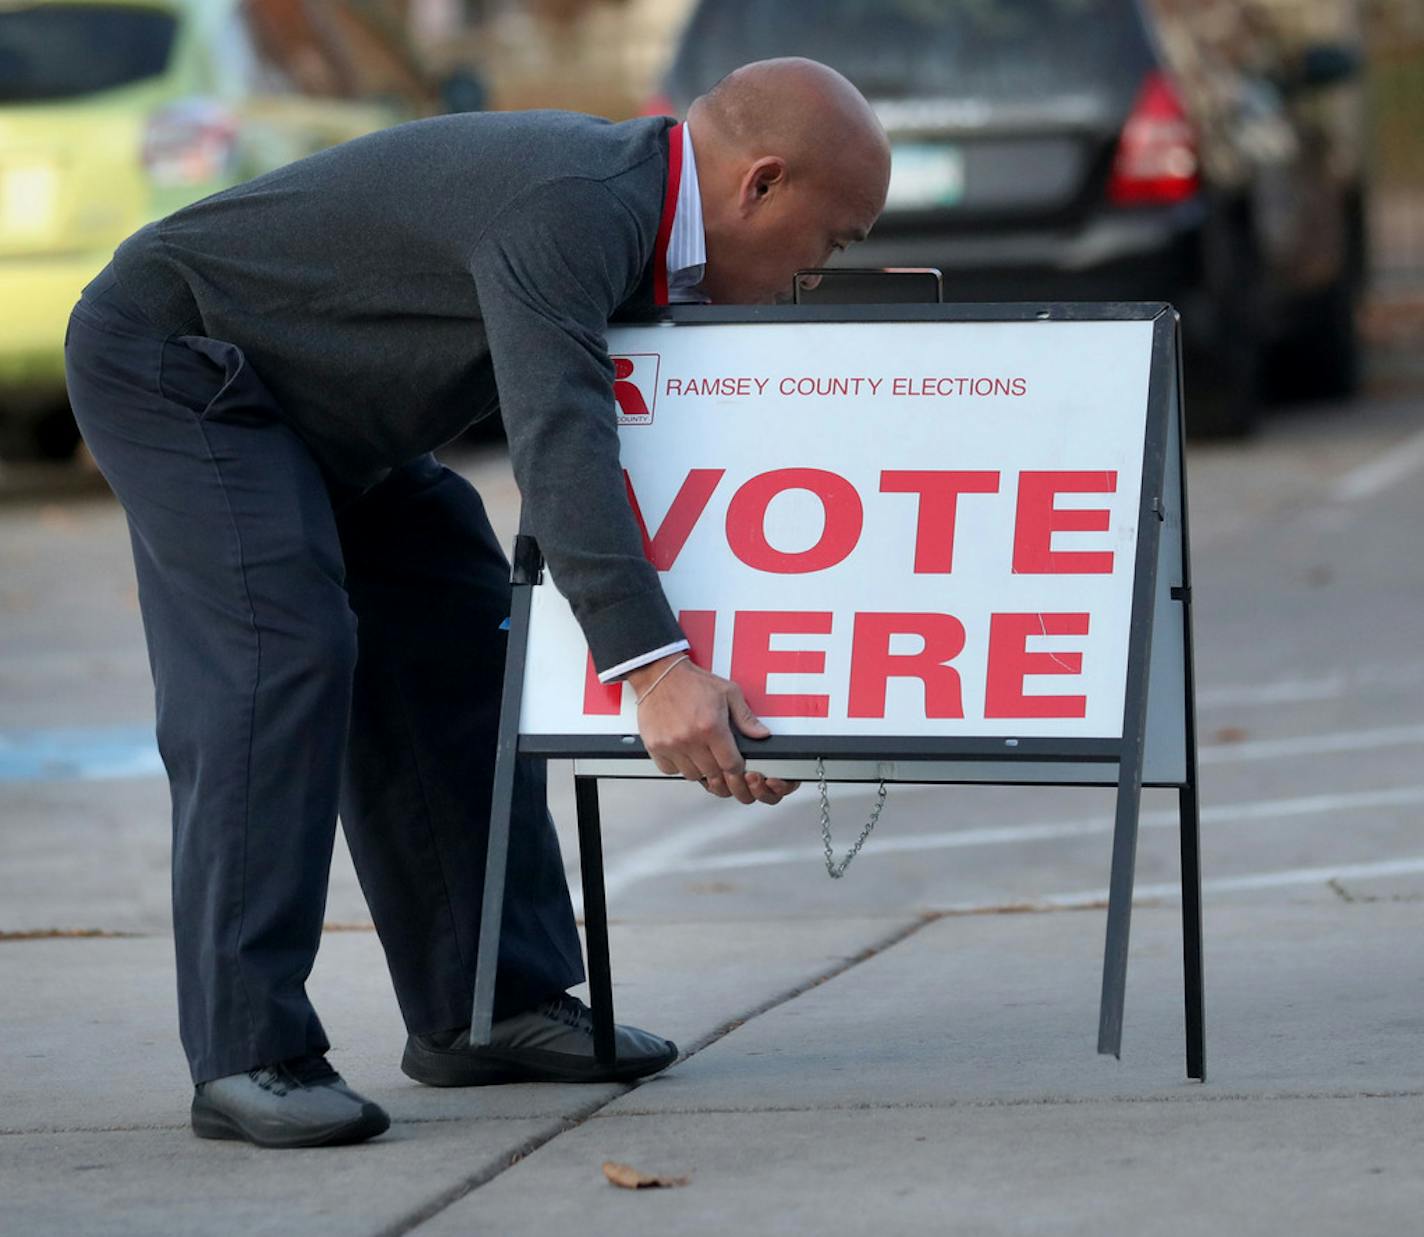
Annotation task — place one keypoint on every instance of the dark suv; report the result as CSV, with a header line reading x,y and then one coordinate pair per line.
x,y
1101,150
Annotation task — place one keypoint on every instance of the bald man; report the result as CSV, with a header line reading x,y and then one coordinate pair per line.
x,y
262,377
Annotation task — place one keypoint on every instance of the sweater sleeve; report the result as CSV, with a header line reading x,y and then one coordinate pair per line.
x,y
548,274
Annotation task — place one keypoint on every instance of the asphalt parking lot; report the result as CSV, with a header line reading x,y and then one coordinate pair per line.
x,y
1310,676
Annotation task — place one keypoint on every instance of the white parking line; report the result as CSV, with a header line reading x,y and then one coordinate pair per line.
x,y
1281,879
1232,813
1324,687
676,851
671,851
1312,744
1385,470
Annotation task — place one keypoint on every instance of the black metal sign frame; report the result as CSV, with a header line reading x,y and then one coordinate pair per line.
x,y
1121,762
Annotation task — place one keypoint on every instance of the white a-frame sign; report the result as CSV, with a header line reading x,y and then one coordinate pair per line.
x,y
932,543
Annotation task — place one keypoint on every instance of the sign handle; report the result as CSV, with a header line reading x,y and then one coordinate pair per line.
x,y
526,572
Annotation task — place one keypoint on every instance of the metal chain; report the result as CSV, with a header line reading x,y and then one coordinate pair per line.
x,y
833,869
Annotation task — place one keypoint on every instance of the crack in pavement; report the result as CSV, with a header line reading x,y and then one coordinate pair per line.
x,y
1193,1096
141,1127
135,1128
1346,895
108,934
507,1160
595,1109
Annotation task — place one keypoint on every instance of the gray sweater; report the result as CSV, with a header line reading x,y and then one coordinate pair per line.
x,y
392,290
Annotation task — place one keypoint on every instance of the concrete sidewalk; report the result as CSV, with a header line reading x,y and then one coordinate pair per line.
x,y
846,1076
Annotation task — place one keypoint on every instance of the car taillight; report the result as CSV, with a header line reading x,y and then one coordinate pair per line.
x,y
658,105
1156,161
190,142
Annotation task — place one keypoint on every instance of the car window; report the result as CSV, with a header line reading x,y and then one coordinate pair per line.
x,y
66,51
993,48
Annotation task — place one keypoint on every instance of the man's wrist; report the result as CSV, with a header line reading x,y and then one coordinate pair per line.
x,y
645,676
616,674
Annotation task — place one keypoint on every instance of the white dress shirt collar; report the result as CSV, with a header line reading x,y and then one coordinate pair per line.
x,y
687,245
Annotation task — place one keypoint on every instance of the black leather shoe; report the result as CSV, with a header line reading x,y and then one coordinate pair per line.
x,y
552,1043
297,1103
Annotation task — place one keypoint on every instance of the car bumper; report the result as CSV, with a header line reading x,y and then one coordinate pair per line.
x,y
1132,256
36,295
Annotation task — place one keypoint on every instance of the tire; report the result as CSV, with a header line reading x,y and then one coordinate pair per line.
x,y
55,435
1223,372
1224,362
1223,388
50,436
1323,358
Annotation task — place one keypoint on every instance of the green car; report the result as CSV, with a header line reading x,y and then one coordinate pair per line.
x,y
117,112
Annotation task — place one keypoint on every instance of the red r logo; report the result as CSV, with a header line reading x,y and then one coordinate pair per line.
x,y
635,387
629,399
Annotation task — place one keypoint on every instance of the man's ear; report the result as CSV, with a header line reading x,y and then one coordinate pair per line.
x,y
761,181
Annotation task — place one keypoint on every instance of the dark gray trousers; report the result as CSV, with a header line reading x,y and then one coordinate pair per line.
x,y
311,648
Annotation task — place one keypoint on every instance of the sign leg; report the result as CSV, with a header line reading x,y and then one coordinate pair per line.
x,y
1192,933
501,809
492,905
1124,865
595,918
1163,386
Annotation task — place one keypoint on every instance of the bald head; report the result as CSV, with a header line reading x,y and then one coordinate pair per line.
x,y
799,108
793,166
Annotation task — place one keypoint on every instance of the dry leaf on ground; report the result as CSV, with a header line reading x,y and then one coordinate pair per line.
x,y
630,1178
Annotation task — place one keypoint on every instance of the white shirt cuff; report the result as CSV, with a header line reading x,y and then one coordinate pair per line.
x,y
624,667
